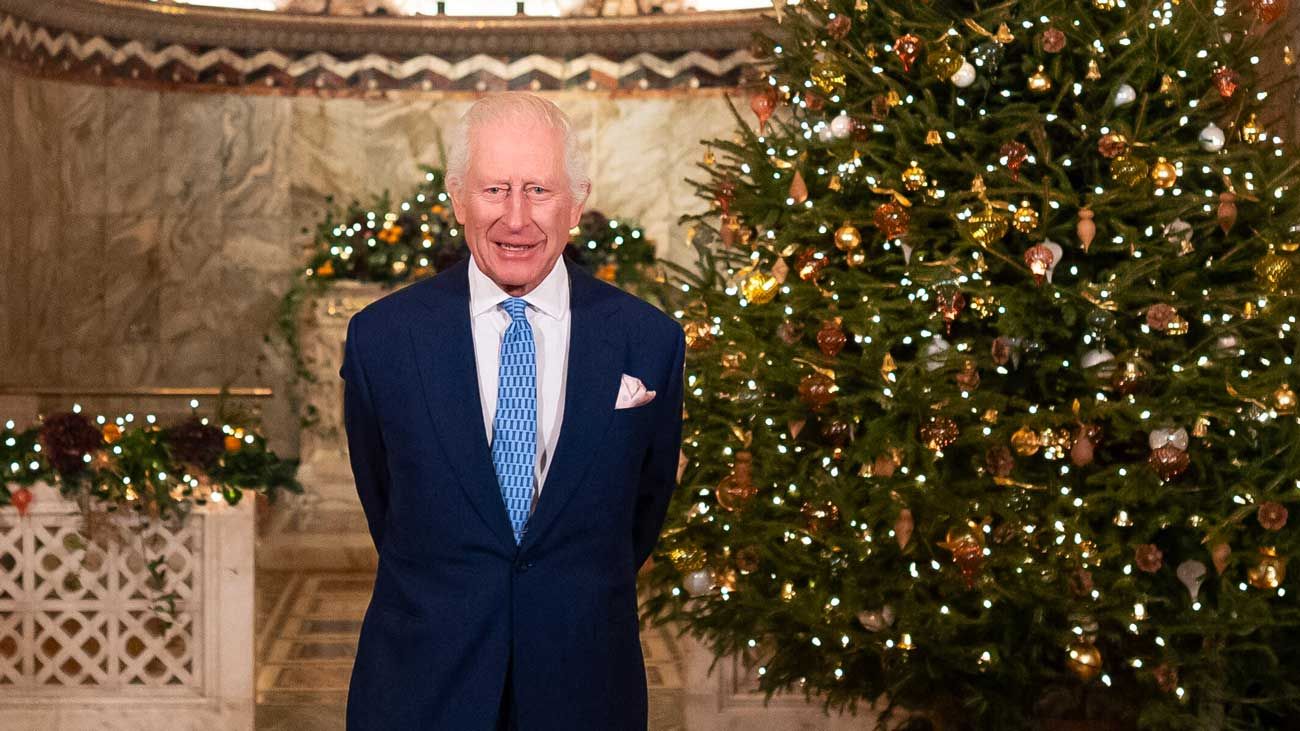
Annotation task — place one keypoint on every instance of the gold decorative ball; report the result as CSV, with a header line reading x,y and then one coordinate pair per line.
x,y
1084,660
987,226
1040,82
943,61
847,237
1164,174
856,258
1284,399
1025,441
1128,170
1025,219
687,560
699,335
1274,271
828,76
914,178
1269,572
759,288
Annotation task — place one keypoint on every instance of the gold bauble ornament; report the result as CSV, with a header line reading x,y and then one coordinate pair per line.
x,y
1128,170
1084,660
111,432
1274,271
1269,572
847,237
1025,441
699,335
987,226
943,62
1284,399
914,177
759,288
932,137
1164,174
732,360
967,545
1025,219
1040,82
687,560
939,432
856,258
828,76
1105,4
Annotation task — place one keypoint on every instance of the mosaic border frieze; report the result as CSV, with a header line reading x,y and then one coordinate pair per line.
x,y
452,55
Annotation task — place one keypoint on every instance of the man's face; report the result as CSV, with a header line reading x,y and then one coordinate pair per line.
x,y
515,204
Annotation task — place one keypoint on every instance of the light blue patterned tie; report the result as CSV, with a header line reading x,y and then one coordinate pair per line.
x,y
514,429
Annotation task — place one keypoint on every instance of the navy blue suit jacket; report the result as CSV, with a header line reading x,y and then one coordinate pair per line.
x,y
455,601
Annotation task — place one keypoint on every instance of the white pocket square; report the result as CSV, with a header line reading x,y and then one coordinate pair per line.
x,y
632,392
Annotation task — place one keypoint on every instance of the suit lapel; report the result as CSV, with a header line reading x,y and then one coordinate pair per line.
x,y
444,352
591,387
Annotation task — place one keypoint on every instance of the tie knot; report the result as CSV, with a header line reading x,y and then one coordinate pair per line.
x,y
515,307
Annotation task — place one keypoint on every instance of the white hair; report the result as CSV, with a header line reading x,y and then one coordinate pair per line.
x,y
516,106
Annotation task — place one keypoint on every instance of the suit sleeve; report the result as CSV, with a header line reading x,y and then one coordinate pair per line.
x,y
365,442
659,470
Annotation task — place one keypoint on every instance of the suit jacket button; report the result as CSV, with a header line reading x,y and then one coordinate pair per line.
x,y
522,566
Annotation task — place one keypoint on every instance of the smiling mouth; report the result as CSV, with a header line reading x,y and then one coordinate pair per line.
x,y
507,246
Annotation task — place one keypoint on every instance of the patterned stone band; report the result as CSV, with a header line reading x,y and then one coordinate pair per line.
x,y
119,41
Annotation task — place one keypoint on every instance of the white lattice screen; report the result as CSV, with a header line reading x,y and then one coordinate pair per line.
x,y
73,616
77,626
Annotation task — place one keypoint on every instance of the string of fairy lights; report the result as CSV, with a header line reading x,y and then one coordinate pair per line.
x,y
35,470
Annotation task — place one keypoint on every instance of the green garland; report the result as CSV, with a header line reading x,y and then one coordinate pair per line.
x,y
117,466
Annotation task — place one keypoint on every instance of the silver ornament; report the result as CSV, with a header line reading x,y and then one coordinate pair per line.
x,y
1100,357
1125,94
878,619
936,353
699,583
1168,437
842,126
1191,573
965,75
1212,138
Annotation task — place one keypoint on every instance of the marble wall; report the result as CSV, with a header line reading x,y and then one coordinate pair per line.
x,y
146,236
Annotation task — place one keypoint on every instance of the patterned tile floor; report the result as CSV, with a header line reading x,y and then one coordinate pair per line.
x,y
307,627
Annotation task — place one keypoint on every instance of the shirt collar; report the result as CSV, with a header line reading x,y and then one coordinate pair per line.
x,y
551,297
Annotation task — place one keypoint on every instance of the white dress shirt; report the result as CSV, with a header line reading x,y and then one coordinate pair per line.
x,y
548,315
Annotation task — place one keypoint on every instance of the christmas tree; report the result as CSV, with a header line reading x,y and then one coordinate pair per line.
x,y
989,408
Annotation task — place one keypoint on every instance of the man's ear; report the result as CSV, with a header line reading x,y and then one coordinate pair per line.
x,y
575,213
455,191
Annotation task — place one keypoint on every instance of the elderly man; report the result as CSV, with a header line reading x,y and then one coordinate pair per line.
x,y
514,426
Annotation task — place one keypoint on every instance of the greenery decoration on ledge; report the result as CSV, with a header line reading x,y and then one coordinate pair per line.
x,y
155,472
